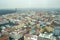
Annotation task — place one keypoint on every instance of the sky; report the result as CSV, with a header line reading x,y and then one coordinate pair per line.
x,y
29,4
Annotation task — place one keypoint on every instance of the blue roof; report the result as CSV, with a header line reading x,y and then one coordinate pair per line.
x,y
57,31
42,24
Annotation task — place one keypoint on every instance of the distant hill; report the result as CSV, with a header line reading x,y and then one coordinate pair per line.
x,y
6,11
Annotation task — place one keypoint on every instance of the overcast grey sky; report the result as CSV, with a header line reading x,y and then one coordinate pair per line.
x,y
29,4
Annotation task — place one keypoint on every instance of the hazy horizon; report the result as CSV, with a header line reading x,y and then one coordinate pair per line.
x,y
7,4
